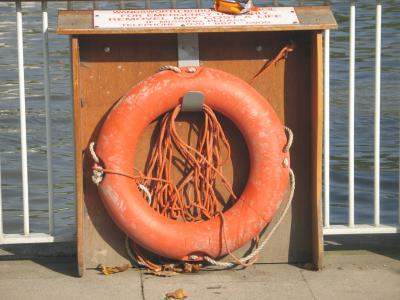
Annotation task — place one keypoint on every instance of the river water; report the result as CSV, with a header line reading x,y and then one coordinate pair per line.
x,y
62,117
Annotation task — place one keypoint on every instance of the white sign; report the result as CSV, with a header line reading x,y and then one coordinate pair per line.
x,y
173,18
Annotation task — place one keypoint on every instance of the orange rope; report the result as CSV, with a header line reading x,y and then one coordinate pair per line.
x,y
290,47
193,198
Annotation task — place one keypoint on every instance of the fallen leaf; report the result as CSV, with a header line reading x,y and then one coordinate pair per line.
x,y
191,268
196,268
187,268
178,294
111,270
171,268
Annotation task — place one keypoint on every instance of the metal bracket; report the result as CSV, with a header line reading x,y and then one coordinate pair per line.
x,y
188,50
192,101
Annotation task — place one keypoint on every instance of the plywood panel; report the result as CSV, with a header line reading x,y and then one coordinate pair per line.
x,y
110,65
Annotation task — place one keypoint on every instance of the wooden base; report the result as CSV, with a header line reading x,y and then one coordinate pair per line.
x,y
293,87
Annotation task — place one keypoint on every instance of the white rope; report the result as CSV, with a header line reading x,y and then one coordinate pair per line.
x,y
146,191
93,153
267,238
290,139
177,69
170,68
191,70
273,229
98,173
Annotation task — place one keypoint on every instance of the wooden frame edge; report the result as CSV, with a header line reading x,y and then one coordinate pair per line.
x,y
316,128
74,46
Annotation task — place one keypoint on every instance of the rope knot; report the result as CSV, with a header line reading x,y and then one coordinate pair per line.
x,y
97,175
97,170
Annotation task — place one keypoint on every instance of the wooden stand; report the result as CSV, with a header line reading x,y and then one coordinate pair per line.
x,y
107,63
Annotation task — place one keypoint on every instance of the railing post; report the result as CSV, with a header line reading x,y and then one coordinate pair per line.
x,y
352,24
45,46
377,128
24,155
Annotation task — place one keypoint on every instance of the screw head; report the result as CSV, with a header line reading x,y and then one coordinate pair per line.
x,y
107,49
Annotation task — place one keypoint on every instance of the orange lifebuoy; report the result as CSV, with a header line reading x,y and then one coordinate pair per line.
x,y
269,163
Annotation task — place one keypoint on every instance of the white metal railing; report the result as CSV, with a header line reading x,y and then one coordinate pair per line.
x,y
27,236
350,228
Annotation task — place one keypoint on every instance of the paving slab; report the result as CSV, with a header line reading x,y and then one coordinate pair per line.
x,y
346,275
272,281
55,279
356,275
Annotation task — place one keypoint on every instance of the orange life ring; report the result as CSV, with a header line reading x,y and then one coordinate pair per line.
x,y
269,163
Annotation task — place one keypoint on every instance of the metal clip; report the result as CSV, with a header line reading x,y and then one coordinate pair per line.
x,y
192,101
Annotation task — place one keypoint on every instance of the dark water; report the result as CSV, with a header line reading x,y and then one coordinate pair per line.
x,y
62,117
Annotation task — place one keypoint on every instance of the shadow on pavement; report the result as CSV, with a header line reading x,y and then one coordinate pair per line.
x,y
382,244
58,257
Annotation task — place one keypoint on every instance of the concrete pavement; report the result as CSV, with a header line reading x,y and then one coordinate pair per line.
x,y
347,275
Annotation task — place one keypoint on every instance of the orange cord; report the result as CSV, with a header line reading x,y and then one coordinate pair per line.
x,y
290,47
193,198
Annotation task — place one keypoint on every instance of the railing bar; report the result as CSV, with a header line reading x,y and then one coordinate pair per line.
x,y
24,155
326,129
45,44
351,112
377,126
